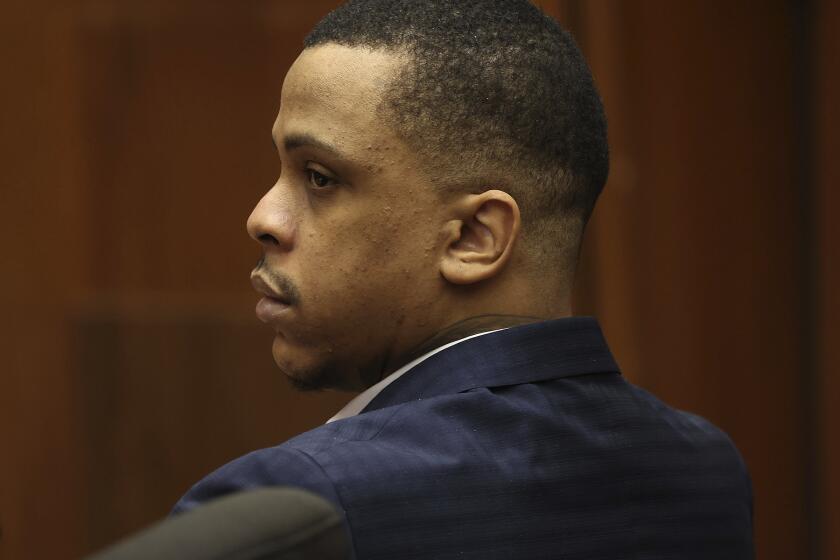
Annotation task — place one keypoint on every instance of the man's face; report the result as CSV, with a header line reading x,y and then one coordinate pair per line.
x,y
350,230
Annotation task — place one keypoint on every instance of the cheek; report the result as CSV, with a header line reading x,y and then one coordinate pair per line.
x,y
366,268
340,277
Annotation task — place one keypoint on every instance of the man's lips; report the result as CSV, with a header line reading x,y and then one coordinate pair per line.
x,y
269,309
274,302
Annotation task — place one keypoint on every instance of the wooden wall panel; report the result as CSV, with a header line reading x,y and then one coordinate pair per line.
x,y
609,273
692,259
827,199
41,220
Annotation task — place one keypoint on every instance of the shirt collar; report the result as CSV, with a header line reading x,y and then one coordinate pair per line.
x,y
360,401
532,353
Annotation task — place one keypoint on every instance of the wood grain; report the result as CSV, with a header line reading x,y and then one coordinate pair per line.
x,y
827,125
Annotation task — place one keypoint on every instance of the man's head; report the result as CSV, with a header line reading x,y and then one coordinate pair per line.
x,y
439,161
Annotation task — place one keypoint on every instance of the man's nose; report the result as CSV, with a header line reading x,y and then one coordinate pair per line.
x,y
271,223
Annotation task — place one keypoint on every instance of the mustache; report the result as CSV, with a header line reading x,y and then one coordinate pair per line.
x,y
278,281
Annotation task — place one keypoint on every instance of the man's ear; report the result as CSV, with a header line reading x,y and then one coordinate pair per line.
x,y
479,242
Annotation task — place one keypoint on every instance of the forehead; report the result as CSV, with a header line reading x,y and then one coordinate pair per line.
x,y
334,92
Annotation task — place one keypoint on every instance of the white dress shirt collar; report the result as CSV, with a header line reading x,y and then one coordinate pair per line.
x,y
364,398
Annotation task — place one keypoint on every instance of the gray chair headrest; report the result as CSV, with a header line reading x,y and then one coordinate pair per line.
x,y
262,524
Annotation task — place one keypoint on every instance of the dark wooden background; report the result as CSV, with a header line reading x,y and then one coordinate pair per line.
x,y
135,138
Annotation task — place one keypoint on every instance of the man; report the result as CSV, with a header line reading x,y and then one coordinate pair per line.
x,y
440,159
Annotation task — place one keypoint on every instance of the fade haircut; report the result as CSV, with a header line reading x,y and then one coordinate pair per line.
x,y
494,94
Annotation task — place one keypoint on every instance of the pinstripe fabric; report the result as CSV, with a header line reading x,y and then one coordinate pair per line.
x,y
524,443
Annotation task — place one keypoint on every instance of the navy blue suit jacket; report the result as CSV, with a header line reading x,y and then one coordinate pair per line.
x,y
523,443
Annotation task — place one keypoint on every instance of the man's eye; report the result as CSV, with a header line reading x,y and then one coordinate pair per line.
x,y
318,180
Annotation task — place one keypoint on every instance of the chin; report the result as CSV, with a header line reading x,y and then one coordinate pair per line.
x,y
307,372
308,385
319,380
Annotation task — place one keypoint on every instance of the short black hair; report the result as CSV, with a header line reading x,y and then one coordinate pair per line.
x,y
495,91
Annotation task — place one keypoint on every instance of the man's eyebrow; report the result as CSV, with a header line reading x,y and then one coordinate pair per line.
x,y
301,140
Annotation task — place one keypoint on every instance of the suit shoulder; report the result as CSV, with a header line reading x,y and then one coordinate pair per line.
x,y
298,462
693,430
282,465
